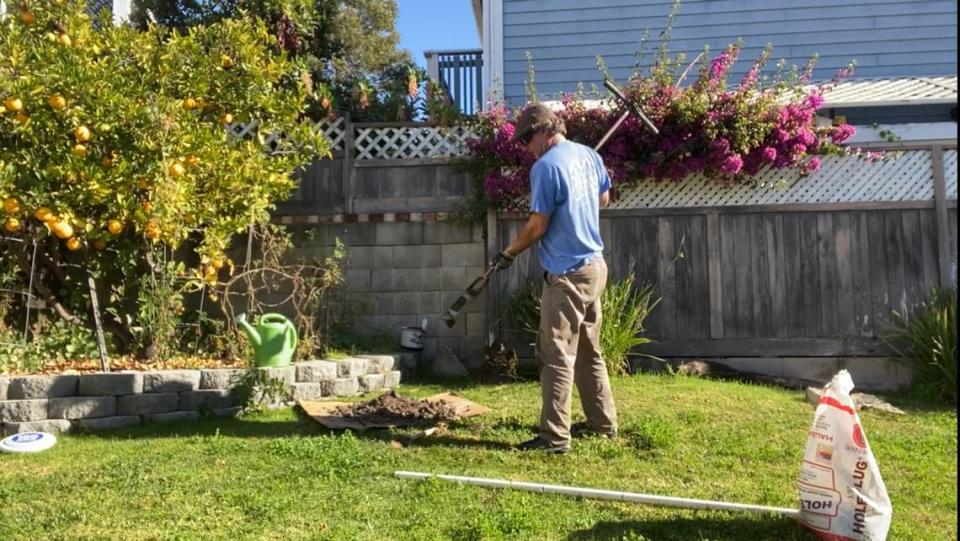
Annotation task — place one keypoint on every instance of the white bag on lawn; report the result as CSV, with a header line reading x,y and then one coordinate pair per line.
x,y
842,496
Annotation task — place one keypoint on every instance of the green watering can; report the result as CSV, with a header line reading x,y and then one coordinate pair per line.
x,y
274,339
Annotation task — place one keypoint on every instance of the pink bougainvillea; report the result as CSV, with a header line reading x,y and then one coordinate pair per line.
x,y
728,135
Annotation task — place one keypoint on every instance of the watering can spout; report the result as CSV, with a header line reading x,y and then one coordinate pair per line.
x,y
252,333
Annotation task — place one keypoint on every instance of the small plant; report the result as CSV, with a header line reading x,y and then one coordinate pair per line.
x,y
258,390
929,342
624,311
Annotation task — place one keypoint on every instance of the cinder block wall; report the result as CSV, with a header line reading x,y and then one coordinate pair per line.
x,y
403,268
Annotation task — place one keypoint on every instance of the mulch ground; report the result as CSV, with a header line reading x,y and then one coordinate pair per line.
x,y
391,407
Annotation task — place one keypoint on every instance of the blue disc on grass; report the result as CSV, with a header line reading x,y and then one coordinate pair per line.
x,y
28,442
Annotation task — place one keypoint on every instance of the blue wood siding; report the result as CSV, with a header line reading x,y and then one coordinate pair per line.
x,y
886,37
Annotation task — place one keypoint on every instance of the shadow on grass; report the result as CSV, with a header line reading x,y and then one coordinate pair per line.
x,y
684,529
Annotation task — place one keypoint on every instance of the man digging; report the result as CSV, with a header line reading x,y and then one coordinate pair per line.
x,y
568,185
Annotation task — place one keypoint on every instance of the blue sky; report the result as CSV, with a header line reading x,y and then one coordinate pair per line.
x,y
436,25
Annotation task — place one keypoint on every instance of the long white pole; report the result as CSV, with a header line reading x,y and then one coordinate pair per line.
x,y
593,493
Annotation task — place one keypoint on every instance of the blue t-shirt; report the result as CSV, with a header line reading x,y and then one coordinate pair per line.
x,y
566,183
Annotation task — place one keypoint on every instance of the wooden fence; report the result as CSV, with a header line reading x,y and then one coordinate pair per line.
x,y
794,280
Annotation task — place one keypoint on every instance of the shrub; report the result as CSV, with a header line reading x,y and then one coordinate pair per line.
x,y
624,310
929,343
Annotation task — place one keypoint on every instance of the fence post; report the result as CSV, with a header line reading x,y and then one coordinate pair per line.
x,y
348,167
943,224
714,275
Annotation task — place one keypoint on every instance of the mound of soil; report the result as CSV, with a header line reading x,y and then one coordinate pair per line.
x,y
391,407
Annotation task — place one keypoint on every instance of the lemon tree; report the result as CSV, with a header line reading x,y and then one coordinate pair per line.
x,y
114,149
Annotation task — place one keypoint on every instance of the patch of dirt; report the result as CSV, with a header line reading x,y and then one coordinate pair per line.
x,y
391,407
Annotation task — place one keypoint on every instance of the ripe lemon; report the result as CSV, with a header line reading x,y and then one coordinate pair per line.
x,y
189,104
147,206
22,117
13,104
12,225
11,205
62,230
115,227
193,160
82,134
79,150
43,214
226,118
176,170
27,18
73,244
57,101
64,40
226,62
216,264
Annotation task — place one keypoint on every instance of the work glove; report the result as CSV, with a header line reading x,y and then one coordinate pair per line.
x,y
502,260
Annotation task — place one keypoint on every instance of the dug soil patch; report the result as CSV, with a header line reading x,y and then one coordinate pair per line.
x,y
390,408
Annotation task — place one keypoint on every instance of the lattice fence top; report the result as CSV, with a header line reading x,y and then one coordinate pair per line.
x,y
908,177
950,172
333,130
409,142
890,91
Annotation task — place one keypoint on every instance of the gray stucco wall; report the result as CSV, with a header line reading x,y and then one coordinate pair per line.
x,y
888,38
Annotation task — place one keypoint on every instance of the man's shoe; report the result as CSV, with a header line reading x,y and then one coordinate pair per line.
x,y
581,429
540,444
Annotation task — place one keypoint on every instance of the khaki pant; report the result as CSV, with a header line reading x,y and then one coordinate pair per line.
x,y
568,351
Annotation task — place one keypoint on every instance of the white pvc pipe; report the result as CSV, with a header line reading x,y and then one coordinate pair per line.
x,y
593,493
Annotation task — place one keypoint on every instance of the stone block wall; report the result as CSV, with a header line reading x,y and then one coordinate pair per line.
x,y
101,401
402,268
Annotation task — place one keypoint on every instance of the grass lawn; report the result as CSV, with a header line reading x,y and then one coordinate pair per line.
x,y
281,476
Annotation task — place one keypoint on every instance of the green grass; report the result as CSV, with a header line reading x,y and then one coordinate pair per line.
x,y
281,476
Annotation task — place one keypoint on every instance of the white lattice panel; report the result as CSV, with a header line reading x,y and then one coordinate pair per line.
x,y
333,131
908,177
950,172
411,142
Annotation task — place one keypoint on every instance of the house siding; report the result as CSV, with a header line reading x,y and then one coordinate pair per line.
x,y
886,37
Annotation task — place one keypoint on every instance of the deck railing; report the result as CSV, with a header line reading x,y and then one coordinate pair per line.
x,y
459,74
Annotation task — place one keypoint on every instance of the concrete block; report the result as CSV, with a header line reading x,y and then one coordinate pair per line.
x,y
4,383
360,257
341,387
112,384
312,390
54,426
382,280
399,233
208,399
314,371
406,303
380,364
411,279
461,255
381,303
357,279
171,381
18,411
876,373
473,351
27,387
382,257
354,234
82,407
370,383
351,367
109,423
476,324
438,328
228,412
171,417
391,380
416,257
220,378
452,278
430,303
147,403
445,233
819,369
286,374
477,234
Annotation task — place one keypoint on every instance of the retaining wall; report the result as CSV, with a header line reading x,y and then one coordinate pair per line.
x,y
101,401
